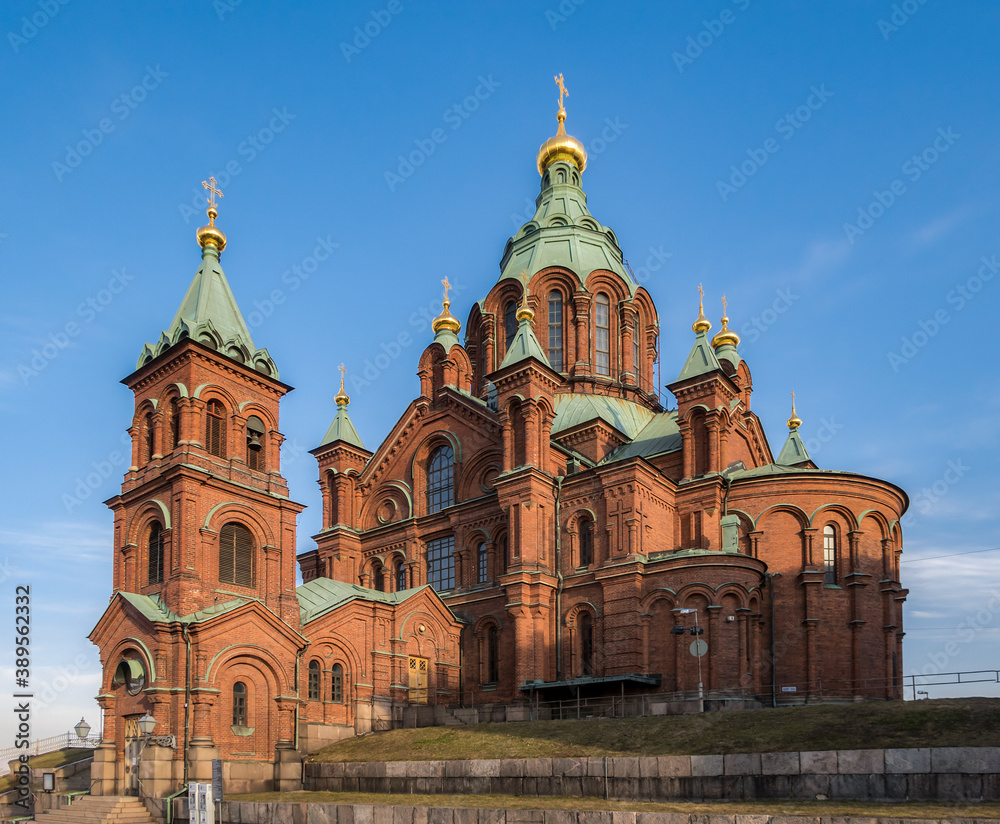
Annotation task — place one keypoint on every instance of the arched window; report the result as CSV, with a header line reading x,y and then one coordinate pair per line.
x,y
636,362
155,554
240,704
829,555
509,324
215,432
400,577
337,684
586,542
314,680
255,443
492,654
556,331
236,556
439,479
482,564
602,323
175,422
699,440
147,437
441,563
378,579
586,644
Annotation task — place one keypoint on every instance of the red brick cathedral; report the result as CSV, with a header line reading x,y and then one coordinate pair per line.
x,y
536,526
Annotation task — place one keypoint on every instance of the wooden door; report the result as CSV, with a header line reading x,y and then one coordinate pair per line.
x,y
418,680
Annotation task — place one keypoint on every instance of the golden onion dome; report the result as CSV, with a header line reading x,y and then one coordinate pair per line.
x,y
702,324
561,146
342,398
446,320
211,235
725,335
794,422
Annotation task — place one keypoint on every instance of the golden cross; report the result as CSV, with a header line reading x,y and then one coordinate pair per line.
x,y
523,277
793,401
562,89
343,371
446,286
723,304
701,297
210,185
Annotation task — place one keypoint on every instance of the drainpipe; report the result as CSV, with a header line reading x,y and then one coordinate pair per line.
x,y
559,578
298,665
774,661
187,698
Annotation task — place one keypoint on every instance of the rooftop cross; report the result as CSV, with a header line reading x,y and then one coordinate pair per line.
x,y
723,304
562,89
343,371
210,185
446,286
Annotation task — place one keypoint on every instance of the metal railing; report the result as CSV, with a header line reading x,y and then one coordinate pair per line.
x,y
41,746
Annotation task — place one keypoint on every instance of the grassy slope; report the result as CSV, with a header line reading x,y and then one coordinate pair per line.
x,y
59,758
957,722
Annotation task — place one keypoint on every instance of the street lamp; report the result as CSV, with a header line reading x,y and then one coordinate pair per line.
x,y
82,729
146,726
696,649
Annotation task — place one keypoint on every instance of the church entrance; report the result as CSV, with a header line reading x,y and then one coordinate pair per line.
x,y
133,750
418,680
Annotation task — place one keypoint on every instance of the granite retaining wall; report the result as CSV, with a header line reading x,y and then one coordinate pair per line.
x,y
925,774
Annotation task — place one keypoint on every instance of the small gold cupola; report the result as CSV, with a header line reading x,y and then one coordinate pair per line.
x,y
342,398
446,321
794,422
561,146
524,312
211,235
702,324
725,335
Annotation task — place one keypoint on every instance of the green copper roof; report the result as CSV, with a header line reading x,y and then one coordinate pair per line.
x,y
342,429
730,353
701,360
149,606
575,409
321,595
660,435
794,451
209,314
563,233
524,346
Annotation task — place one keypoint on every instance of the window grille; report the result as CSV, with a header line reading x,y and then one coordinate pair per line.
x,y
236,554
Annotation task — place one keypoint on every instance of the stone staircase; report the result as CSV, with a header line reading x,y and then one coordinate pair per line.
x,y
99,809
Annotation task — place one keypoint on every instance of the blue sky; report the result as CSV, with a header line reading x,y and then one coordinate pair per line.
x,y
831,167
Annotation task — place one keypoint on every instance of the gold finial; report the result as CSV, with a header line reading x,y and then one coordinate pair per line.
x,y
562,146
342,399
446,320
725,334
702,323
211,235
794,422
524,312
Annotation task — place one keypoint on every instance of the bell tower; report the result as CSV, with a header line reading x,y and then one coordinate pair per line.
x,y
204,518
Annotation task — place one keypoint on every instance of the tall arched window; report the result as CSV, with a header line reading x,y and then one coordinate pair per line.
x,y
236,556
482,564
337,684
240,704
586,542
509,324
378,579
155,554
314,680
255,443
829,555
556,330
492,654
586,644
147,437
439,479
602,323
636,362
400,577
215,431
175,422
